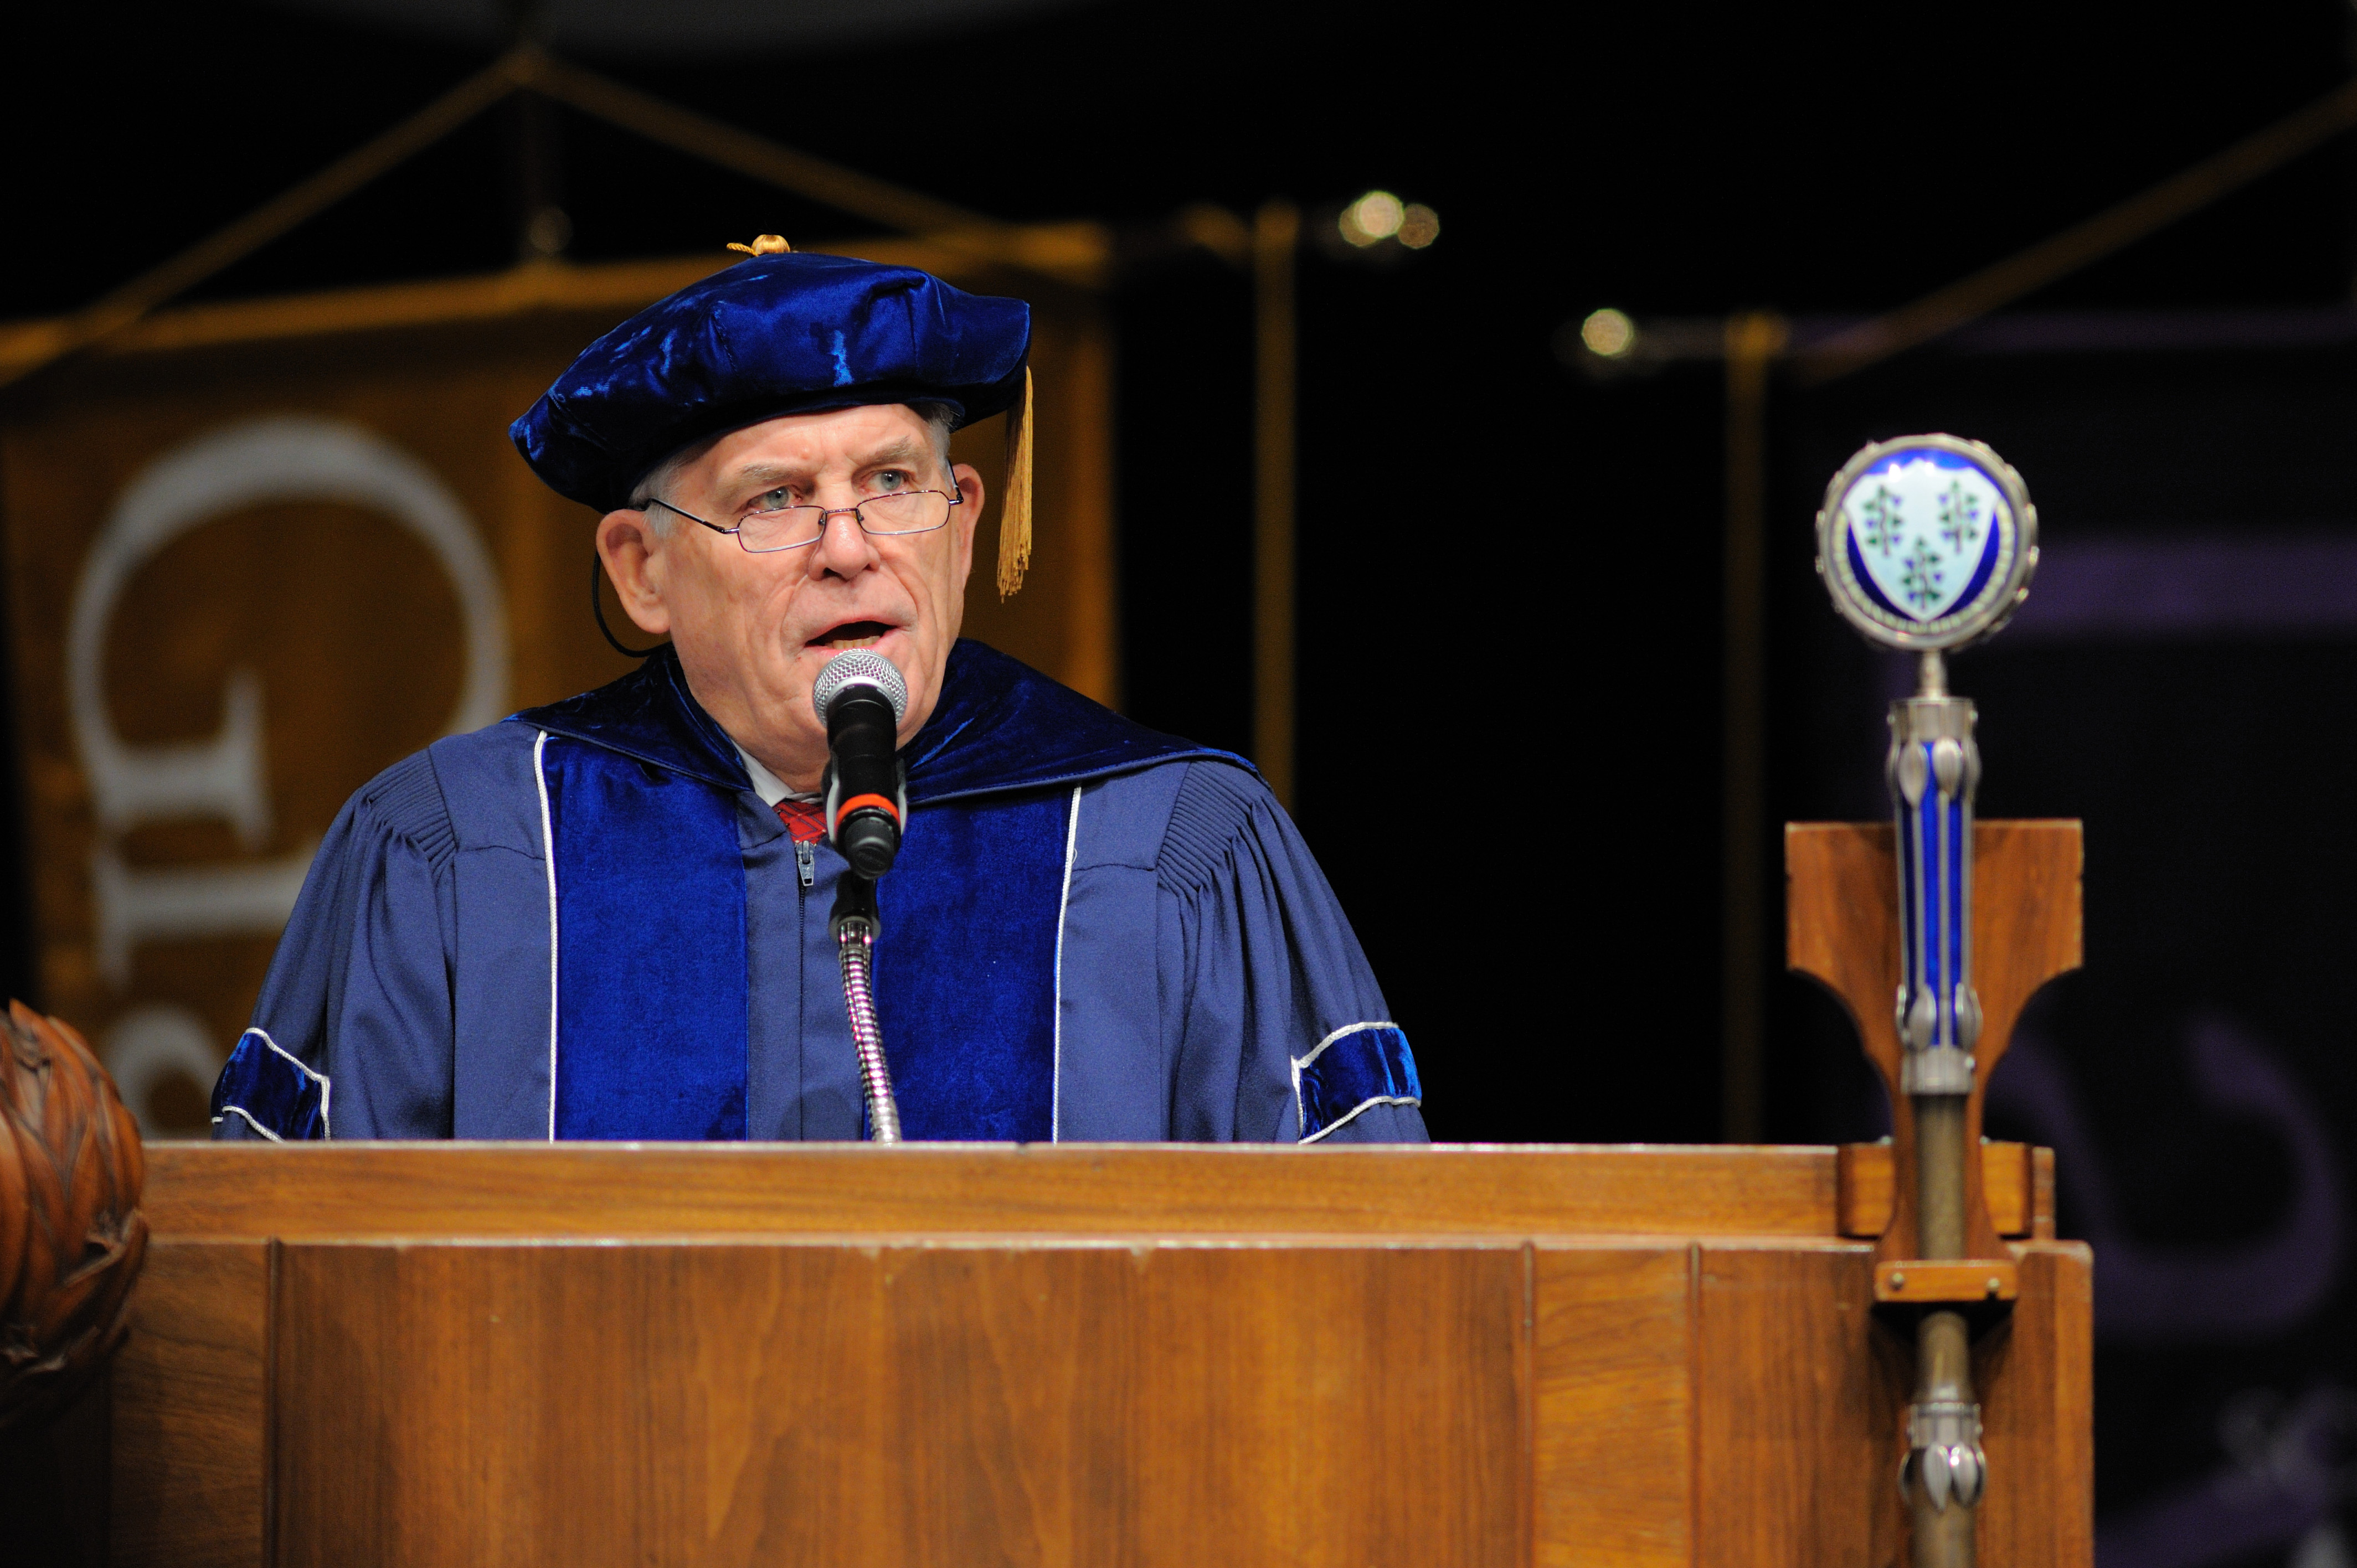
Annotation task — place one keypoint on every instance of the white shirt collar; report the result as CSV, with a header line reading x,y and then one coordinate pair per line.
x,y
766,784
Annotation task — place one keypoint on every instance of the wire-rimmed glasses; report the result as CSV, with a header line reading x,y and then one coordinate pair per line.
x,y
794,527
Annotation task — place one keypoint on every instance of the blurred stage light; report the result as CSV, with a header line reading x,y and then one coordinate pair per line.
x,y
1374,216
1609,333
549,231
1419,226
1218,230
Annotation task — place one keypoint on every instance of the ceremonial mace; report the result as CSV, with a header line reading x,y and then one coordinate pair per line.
x,y
860,697
1927,544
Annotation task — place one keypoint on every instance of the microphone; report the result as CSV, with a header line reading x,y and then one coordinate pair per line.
x,y
860,698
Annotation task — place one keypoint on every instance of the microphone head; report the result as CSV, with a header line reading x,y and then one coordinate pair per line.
x,y
858,668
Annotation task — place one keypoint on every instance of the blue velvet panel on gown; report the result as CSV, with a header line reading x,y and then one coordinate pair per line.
x,y
966,970
650,983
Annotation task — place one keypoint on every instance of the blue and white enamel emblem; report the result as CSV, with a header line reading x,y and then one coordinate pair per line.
x,y
1927,542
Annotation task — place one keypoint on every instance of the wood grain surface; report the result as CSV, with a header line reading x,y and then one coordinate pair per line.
x,y
1842,929
1794,1410
352,1190
2036,1377
1614,1402
2041,1194
720,1403
1866,1177
192,1409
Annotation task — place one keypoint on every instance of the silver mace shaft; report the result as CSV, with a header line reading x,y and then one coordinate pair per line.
x,y
1935,770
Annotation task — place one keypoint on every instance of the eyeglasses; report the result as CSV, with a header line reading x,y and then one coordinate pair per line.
x,y
795,527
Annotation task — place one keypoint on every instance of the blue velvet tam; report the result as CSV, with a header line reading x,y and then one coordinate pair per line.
x,y
776,334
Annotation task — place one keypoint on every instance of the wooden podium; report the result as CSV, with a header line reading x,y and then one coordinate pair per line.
x,y
350,1355
589,1355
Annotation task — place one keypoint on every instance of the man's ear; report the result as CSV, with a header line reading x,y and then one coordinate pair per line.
x,y
633,551
967,519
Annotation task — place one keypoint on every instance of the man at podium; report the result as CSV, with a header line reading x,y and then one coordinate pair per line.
x,y
607,918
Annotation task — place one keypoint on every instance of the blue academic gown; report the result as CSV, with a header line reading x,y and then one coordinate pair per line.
x,y
583,922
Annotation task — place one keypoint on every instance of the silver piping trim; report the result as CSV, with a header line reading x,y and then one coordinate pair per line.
x,y
1063,903
248,1119
548,857
1342,1122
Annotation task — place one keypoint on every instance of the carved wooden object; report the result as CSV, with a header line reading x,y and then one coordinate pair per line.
x,y
71,1237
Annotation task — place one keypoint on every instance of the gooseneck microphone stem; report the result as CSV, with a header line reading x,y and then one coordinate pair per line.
x,y
855,924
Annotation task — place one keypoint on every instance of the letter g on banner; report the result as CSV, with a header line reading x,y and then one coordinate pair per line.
x,y
287,459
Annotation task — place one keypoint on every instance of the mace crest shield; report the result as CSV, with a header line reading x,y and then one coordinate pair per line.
x,y
1927,542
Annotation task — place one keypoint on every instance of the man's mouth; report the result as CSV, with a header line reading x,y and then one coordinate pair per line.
x,y
851,634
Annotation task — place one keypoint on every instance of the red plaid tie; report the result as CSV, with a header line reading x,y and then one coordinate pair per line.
x,y
806,819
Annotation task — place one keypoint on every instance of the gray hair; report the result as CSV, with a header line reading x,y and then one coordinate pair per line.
x,y
940,419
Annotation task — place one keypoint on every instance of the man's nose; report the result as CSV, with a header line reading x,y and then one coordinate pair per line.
x,y
844,548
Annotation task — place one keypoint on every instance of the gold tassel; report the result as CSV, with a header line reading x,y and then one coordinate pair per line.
x,y
1015,511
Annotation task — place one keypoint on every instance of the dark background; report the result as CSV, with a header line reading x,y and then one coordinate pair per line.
x,y
1509,570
